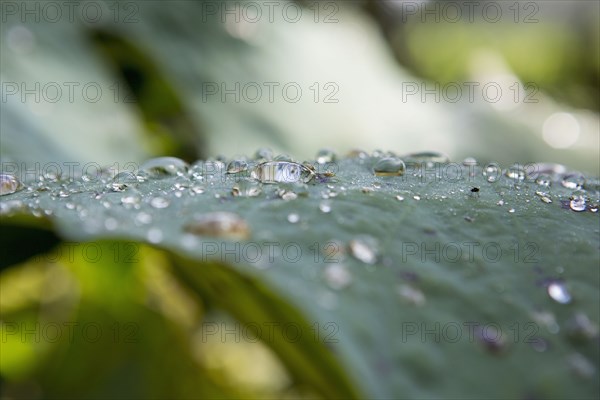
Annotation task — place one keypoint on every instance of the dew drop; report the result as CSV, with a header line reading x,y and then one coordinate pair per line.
x,y
293,218
127,178
581,366
516,172
581,328
287,195
544,180
197,189
558,292
154,235
237,166
411,295
363,251
206,170
399,198
111,224
512,210
325,207
9,184
337,276
282,172
574,181
219,224
325,156
470,162
163,167
577,203
389,166
159,202
544,197
117,187
246,189
143,218
130,201
417,198
491,172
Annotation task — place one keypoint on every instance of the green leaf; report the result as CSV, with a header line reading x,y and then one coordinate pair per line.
x,y
404,277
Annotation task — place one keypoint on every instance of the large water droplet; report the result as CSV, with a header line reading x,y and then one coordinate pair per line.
x,y
577,203
207,170
389,166
558,292
574,181
9,184
491,172
516,172
219,224
282,172
163,167
246,189
337,276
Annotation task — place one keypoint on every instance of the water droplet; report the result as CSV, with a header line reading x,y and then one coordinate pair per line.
x,y
389,166
325,207
127,178
337,276
293,218
516,172
163,167
577,203
246,189
197,189
544,180
470,162
417,198
399,198
282,172
581,328
130,201
143,218
500,203
237,166
325,156
116,187
491,172
154,235
9,184
573,181
558,292
544,197
363,251
512,210
581,366
287,195
412,295
219,224
111,224
159,202
207,170
428,157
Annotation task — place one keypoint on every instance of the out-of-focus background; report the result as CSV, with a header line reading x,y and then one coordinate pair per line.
x,y
108,81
